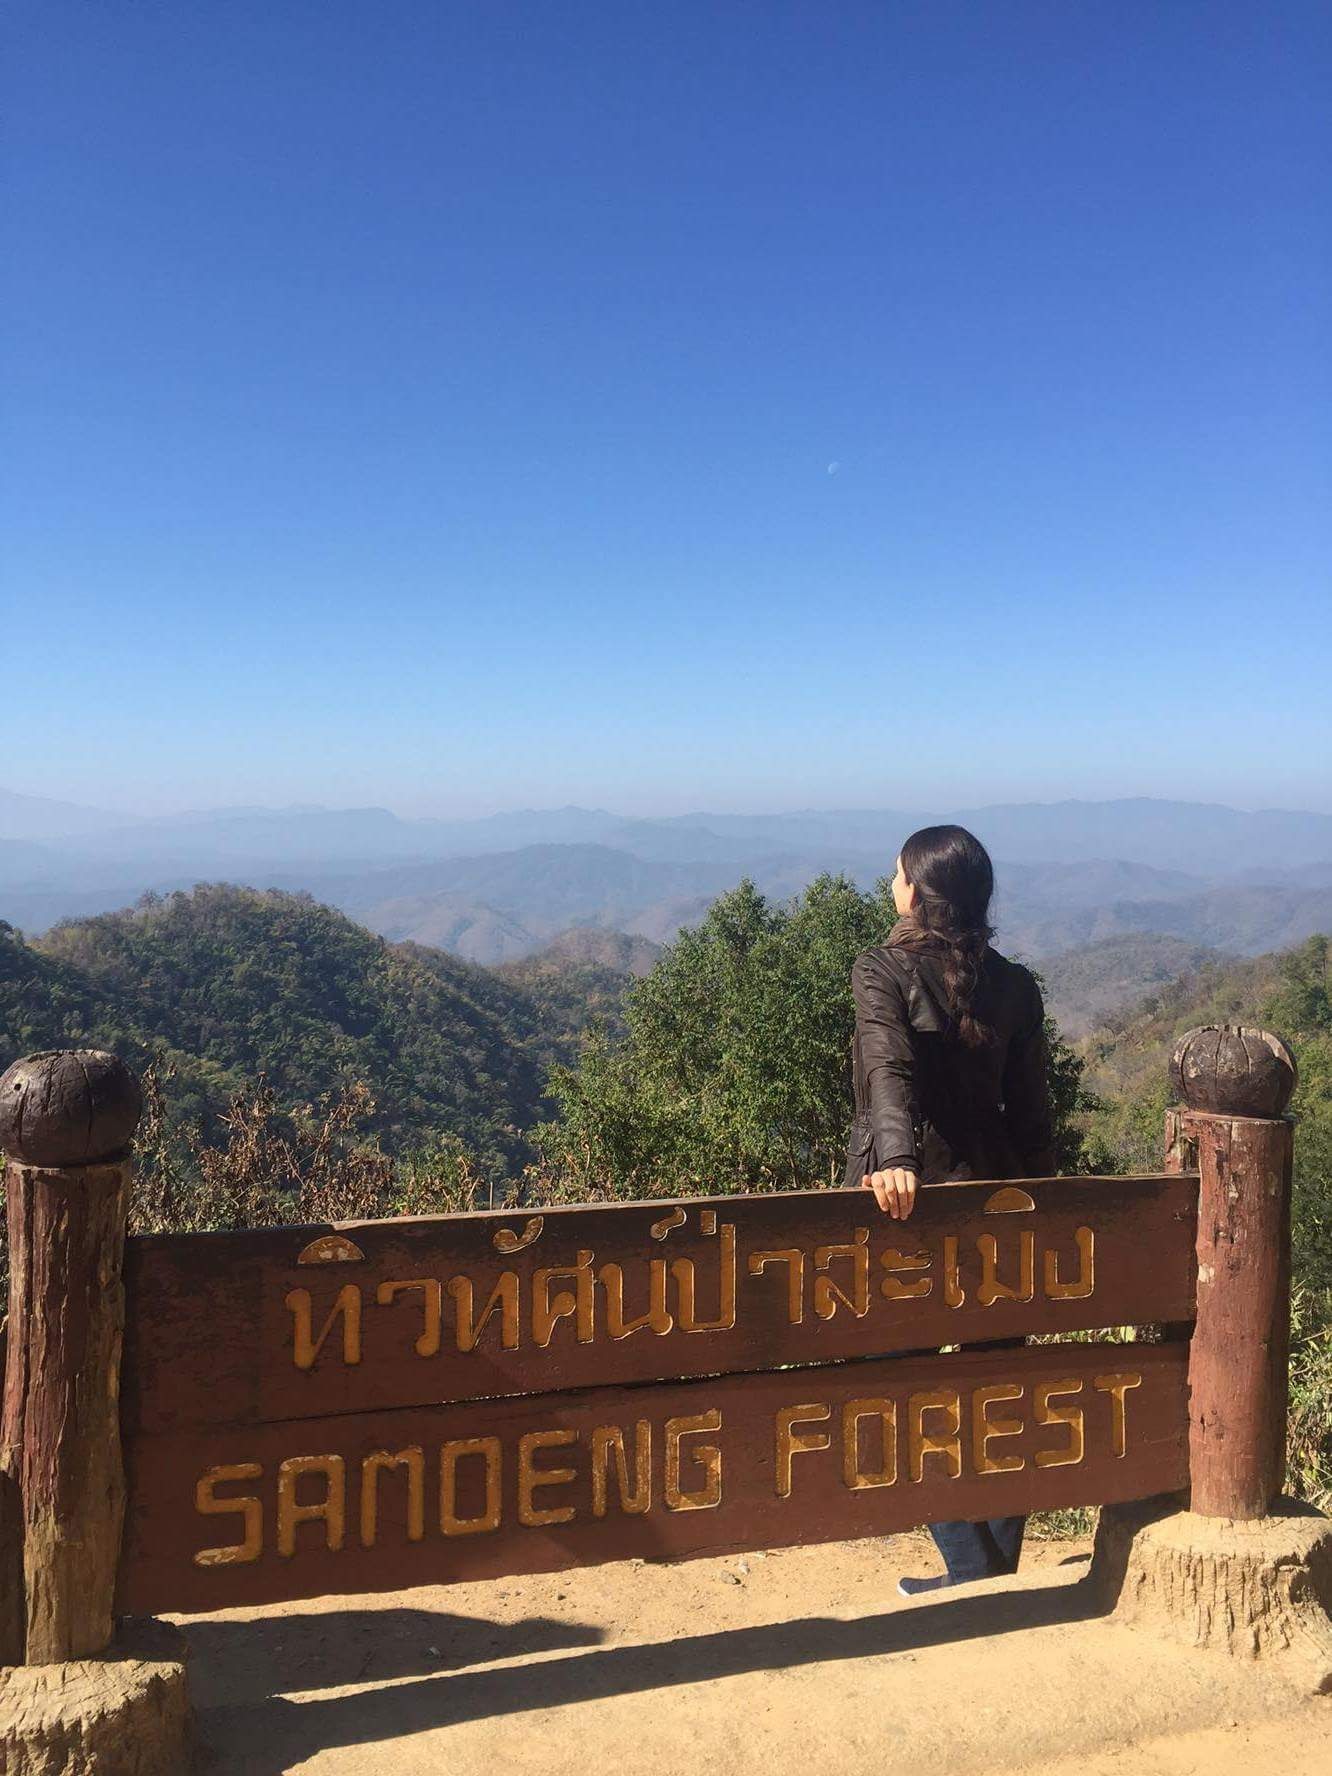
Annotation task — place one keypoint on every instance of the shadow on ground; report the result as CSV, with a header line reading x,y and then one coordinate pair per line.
x,y
248,1662
289,1731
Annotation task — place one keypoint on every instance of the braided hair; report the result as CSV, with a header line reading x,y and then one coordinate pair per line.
x,y
954,879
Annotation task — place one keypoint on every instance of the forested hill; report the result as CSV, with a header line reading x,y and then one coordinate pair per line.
x,y
1127,1058
227,984
1126,1066
580,979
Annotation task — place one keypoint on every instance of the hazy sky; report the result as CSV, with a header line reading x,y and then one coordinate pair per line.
x,y
742,405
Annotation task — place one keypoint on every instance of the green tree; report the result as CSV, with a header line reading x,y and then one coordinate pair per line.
x,y
735,1070
1300,1009
224,987
1302,1003
1290,994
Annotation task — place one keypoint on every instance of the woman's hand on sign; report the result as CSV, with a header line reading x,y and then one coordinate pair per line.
x,y
894,1190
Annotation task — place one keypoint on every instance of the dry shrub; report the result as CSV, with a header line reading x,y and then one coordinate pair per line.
x,y
1309,1463
274,1165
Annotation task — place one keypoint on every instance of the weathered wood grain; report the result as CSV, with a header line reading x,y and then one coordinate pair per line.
x,y
67,1117
365,1502
237,1329
61,1431
68,1107
1233,1070
1238,1369
13,1394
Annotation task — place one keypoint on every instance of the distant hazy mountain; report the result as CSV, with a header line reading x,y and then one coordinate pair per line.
x,y
34,910
504,907
1085,987
542,888
493,909
34,817
868,832
451,922
1198,837
582,977
1307,875
276,835
1244,921
1094,883
586,947
1070,873
20,858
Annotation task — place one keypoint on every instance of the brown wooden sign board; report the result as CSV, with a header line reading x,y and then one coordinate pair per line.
x,y
281,1324
365,1502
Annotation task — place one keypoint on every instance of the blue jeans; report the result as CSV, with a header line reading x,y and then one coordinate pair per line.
x,y
979,1550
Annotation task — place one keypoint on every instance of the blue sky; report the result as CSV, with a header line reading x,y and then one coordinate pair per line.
x,y
751,406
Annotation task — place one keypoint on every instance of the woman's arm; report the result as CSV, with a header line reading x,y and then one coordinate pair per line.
x,y
883,1027
1027,1109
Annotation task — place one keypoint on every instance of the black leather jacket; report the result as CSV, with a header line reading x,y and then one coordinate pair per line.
x,y
923,1098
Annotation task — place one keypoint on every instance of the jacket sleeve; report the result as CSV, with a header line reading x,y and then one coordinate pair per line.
x,y
883,1028
1027,1108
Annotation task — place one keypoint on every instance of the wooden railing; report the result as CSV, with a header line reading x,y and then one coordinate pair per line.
x,y
343,1409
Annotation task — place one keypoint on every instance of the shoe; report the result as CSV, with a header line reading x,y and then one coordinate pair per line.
x,y
914,1587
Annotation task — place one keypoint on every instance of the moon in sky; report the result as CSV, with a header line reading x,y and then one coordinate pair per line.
x,y
833,467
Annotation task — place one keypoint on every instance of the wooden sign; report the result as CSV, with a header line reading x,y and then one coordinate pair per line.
x,y
289,1323
391,1403
358,1407
368,1501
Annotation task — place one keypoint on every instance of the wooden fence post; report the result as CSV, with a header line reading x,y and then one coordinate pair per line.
x,y
1242,1569
66,1121
1235,1083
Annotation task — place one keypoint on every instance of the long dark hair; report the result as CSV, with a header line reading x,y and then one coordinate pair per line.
x,y
953,877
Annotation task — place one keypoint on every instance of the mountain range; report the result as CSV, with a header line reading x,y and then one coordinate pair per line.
x,y
499,888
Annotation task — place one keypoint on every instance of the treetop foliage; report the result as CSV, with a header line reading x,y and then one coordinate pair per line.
x,y
735,1069
226,986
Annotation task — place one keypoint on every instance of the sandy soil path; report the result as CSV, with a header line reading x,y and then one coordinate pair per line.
x,y
744,1665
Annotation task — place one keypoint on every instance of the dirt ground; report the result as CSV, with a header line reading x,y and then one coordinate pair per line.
x,y
735,1665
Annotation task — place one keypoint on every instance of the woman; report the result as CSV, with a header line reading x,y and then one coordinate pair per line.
x,y
951,1080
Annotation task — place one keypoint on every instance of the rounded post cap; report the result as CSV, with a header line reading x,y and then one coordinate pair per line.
x,y
68,1107
1233,1070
